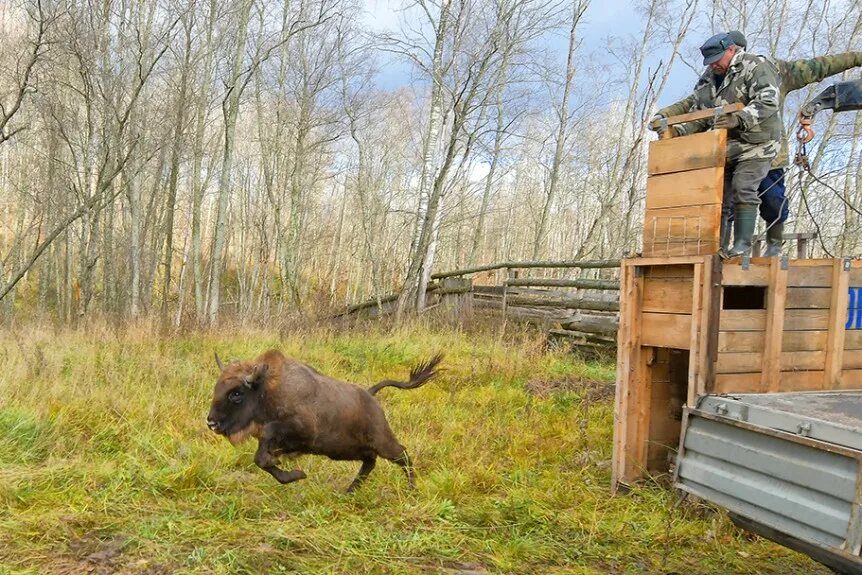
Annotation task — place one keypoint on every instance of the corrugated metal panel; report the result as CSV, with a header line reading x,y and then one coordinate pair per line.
x,y
796,489
834,417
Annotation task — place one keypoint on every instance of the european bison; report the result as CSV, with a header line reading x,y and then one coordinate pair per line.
x,y
293,409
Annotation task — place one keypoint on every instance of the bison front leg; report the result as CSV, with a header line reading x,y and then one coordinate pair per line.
x,y
277,438
269,463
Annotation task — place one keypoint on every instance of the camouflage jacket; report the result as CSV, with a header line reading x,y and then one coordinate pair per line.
x,y
794,74
753,81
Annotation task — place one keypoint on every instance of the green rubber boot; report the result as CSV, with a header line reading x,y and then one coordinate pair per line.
x,y
774,239
744,218
724,235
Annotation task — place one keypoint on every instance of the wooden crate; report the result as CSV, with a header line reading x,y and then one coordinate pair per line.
x,y
799,330
684,190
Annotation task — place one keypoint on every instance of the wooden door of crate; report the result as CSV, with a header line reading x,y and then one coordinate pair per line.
x,y
684,191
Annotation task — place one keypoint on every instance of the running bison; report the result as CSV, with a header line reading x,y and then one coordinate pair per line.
x,y
292,409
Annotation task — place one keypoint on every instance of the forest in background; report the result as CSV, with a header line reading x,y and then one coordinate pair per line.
x,y
194,160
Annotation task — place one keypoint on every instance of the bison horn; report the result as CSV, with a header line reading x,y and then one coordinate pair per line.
x,y
218,362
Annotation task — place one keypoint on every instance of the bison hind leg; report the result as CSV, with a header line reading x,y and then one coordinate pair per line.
x,y
404,461
397,453
368,464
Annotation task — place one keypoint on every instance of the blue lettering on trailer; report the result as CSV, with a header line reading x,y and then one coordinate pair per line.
x,y
854,309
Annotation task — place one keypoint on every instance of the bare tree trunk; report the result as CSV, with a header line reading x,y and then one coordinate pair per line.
x,y
197,164
175,169
562,131
230,111
429,155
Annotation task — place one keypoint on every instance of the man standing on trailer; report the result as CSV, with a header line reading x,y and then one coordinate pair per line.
x,y
753,133
794,75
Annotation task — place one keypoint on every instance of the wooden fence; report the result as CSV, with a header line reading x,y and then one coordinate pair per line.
x,y
583,308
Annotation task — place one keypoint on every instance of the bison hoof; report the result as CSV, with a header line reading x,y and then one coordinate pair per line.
x,y
291,476
355,484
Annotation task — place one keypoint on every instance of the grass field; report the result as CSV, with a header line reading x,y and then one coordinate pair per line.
x,y
106,466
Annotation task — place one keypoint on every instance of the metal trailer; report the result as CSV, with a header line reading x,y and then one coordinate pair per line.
x,y
785,466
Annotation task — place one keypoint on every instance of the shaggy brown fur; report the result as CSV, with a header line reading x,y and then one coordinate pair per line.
x,y
293,409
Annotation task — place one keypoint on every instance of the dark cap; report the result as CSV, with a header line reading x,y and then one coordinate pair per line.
x,y
738,38
713,48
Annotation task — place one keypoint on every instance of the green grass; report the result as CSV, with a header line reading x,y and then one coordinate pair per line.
x,y
106,466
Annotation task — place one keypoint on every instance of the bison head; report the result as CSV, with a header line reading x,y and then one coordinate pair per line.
x,y
236,400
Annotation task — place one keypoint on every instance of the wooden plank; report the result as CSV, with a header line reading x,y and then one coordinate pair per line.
x,y
698,115
681,189
750,382
803,360
851,379
740,341
852,359
666,407
660,369
666,330
837,318
641,414
853,339
810,262
775,316
800,380
800,275
804,340
742,320
738,362
670,271
735,275
755,320
630,380
695,341
646,263
682,223
751,362
710,312
668,295
809,298
684,248
753,341
737,382
806,319
703,150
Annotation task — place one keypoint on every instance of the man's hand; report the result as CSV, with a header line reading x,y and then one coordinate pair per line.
x,y
728,121
655,124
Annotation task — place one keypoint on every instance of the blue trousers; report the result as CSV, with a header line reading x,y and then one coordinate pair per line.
x,y
774,206
773,203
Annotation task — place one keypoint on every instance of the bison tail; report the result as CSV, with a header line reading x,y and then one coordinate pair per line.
x,y
419,375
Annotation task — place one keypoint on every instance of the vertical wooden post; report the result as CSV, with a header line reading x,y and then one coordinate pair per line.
x,y
506,273
629,457
802,248
776,297
709,318
459,299
838,306
694,354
